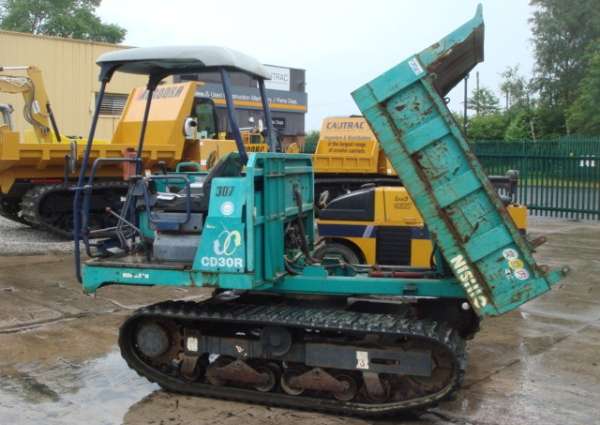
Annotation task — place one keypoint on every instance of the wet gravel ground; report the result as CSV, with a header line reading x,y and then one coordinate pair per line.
x,y
59,363
19,239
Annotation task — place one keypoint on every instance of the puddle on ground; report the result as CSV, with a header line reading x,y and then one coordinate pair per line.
x,y
98,391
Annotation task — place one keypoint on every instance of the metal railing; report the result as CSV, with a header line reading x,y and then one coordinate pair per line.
x,y
557,178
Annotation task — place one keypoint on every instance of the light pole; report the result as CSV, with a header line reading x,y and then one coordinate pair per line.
x,y
465,107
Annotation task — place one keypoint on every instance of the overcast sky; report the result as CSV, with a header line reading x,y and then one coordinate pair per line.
x,y
341,44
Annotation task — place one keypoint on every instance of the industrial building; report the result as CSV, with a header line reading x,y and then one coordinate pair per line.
x,y
71,78
70,74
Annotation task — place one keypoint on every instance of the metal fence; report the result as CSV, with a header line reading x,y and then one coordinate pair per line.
x,y
559,178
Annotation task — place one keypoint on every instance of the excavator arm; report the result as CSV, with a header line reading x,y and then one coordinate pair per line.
x,y
37,110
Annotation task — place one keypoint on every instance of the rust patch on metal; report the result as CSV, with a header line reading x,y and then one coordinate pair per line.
x,y
237,371
318,379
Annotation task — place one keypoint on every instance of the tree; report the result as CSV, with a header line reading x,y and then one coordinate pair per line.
x,y
487,127
549,121
583,116
310,141
515,88
62,18
562,32
521,127
483,101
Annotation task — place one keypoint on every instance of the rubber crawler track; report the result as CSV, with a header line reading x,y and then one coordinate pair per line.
x,y
8,210
298,317
34,197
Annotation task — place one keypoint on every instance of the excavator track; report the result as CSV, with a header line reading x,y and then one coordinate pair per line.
x,y
50,207
10,208
287,381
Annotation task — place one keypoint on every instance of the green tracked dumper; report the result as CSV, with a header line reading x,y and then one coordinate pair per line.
x,y
281,327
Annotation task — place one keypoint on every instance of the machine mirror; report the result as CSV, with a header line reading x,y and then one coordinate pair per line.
x,y
190,128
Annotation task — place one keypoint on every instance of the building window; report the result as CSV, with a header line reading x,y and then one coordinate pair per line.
x,y
112,103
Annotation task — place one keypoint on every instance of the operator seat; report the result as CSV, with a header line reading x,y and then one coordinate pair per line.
x,y
177,240
228,166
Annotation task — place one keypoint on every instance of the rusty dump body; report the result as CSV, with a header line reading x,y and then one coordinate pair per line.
x,y
406,110
449,60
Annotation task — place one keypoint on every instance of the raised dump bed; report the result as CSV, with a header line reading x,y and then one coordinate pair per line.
x,y
406,110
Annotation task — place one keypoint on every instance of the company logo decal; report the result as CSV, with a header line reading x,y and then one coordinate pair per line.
x,y
467,279
227,208
227,242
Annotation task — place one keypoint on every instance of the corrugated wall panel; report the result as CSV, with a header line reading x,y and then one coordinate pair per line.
x,y
70,75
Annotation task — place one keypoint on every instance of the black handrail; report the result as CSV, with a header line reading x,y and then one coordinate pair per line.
x,y
81,217
87,189
271,139
105,77
231,114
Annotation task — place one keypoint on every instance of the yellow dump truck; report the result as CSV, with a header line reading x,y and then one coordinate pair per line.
x,y
347,156
37,169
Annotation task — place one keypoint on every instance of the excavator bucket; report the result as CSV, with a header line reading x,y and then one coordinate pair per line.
x,y
406,110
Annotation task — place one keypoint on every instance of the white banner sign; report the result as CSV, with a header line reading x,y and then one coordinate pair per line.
x,y
280,78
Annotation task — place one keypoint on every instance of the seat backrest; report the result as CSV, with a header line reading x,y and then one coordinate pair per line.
x,y
228,166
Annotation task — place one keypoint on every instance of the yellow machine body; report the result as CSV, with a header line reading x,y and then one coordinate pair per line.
x,y
385,227
34,157
33,90
37,166
45,158
348,146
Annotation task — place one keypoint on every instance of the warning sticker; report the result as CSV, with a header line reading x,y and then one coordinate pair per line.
x,y
362,360
510,254
415,66
521,274
516,264
192,343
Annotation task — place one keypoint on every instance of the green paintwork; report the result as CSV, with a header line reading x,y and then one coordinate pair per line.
x,y
313,281
95,274
258,205
407,112
144,225
179,168
224,228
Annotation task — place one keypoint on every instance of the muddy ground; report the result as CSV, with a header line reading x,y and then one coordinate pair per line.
x,y
59,363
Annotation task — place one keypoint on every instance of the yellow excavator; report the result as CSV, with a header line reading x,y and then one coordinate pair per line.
x,y
37,111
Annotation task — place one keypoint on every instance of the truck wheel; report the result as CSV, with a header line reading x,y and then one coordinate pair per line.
x,y
335,249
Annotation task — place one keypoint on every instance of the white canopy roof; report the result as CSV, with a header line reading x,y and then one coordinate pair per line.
x,y
181,59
